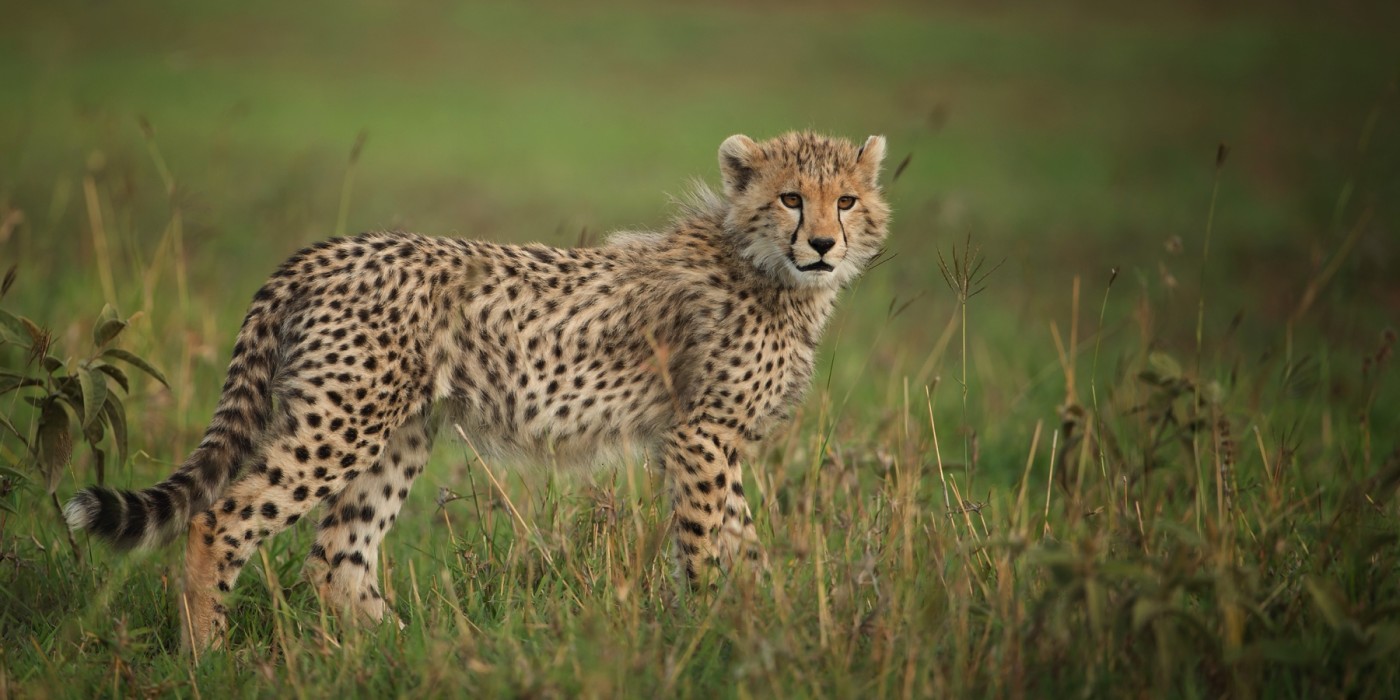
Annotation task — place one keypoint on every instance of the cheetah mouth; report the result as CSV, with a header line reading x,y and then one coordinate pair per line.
x,y
818,266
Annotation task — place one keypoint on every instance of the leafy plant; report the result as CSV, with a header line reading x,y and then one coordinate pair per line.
x,y
68,395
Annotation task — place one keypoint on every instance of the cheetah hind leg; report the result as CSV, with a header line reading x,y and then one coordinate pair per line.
x,y
343,563
289,476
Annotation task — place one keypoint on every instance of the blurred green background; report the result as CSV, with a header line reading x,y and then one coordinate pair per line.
x,y
1065,140
1061,141
164,157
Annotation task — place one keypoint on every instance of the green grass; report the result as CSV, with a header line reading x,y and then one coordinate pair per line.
x,y
938,522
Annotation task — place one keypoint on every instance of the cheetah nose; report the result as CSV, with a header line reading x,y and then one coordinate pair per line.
x,y
821,245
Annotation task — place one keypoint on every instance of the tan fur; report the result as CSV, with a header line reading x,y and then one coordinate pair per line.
x,y
691,344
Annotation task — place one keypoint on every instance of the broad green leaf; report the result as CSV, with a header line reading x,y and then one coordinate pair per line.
x,y
11,323
52,364
94,388
55,443
115,373
116,418
10,383
94,432
136,362
105,331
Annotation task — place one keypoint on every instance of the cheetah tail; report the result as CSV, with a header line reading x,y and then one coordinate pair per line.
x,y
154,516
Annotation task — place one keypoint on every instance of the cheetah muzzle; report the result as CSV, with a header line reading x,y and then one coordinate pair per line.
x,y
355,349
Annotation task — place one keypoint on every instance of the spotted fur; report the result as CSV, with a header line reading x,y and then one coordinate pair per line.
x,y
690,344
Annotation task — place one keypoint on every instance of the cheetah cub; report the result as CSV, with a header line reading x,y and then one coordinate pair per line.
x,y
692,344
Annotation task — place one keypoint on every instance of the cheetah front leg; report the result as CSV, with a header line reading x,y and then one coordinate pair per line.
x,y
714,527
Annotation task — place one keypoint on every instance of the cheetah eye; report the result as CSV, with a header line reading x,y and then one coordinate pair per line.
x,y
845,202
791,200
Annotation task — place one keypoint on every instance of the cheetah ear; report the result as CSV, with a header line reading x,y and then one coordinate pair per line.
x,y
868,160
738,157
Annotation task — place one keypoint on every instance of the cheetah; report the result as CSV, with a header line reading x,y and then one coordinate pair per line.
x,y
689,344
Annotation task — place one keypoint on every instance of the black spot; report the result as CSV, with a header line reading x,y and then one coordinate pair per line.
x,y
300,493
692,527
269,510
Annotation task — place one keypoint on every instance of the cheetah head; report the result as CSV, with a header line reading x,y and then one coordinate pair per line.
x,y
807,209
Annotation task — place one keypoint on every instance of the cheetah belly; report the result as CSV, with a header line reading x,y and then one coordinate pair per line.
x,y
552,392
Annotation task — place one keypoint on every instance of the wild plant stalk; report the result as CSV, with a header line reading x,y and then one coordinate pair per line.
x,y
1097,423
175,230
1222,151
100,248
348,183
1050,481
966,278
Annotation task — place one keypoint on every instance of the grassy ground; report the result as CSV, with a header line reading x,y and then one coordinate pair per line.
x,y
1156,454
